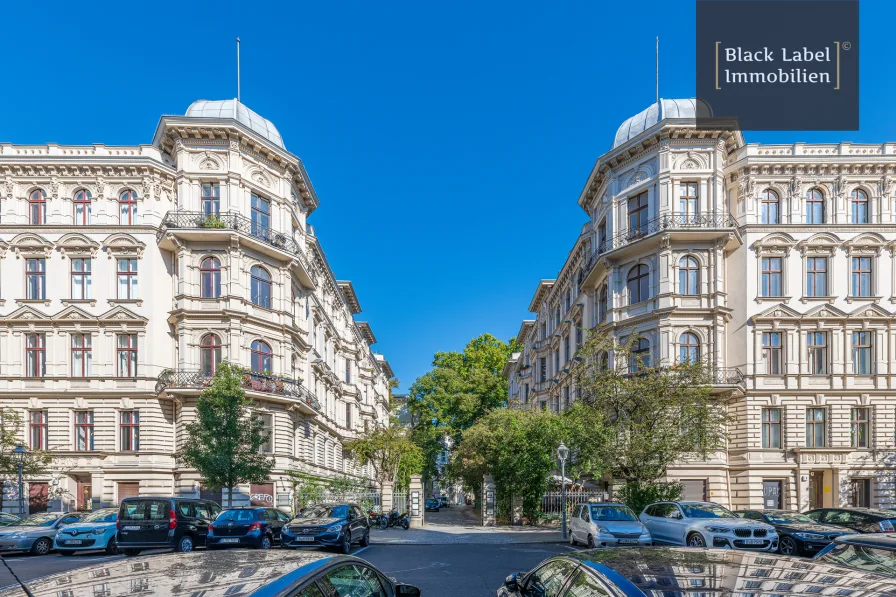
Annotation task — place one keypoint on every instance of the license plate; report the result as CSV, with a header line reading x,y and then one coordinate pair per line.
x,y
627,541
73,542
309,539
753,541
231,540
130,528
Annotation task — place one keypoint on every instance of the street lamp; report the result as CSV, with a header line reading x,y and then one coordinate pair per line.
x,y
563,454
18,456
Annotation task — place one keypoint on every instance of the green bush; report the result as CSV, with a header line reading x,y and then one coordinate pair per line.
x,y
637,494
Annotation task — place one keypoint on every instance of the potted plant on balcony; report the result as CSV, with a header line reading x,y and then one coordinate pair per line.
x,y
211,221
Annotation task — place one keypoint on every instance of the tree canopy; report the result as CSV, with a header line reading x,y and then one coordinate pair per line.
x,y
35,462
392,455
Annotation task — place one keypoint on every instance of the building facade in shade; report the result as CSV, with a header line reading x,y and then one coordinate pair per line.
x,y
775,265
105,367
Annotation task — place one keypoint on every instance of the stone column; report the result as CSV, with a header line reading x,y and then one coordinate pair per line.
x,y
417,497
516,513
488,501
387,498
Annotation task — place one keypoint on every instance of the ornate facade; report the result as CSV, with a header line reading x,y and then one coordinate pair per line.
x,y
105,368
773,264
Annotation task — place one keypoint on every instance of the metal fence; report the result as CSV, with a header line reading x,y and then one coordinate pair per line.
x,y
551,503
400,501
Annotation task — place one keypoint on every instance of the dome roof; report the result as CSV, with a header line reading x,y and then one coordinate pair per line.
x,y
665,108
238,111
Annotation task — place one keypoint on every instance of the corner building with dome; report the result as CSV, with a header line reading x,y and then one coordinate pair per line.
x,y
105,368
775,265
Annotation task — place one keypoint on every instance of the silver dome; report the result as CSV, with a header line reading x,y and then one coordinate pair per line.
x,y
238,111
665,108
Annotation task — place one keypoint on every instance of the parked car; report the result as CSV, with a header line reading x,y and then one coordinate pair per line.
x,y
862,520
96,530
870,552
7,519
36,533
443,502
328,525
798,534
255,527
606,525
677,572
706,524
432,505
216,574
161,522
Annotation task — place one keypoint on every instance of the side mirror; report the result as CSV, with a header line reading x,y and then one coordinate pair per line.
x,y
406,591
512,582
351,515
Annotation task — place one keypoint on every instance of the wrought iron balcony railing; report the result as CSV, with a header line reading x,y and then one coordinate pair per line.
x,y
727,376
194,220
256,382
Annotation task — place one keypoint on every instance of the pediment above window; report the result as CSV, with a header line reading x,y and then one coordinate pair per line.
x,y
123,245
823,242
31,245
77,245
777,312
871,311
777,242
120,314
868,242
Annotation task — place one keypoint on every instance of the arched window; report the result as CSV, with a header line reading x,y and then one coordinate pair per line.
x,y
81,208
603,361
814,207
638,284
858,207
37,207
261,286
689,276
209,354
688,348
210,278
262,357
127,207
640,356
602,303
769,206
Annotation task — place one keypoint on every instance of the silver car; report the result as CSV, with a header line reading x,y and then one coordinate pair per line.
x,y
705,524
606,524
36,533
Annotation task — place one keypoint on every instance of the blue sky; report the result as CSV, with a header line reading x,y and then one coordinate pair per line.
x,y
448,142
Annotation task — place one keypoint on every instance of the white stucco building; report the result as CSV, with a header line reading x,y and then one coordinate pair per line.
x,y
128,273
773,264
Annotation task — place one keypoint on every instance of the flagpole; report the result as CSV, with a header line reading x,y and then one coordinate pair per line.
x,y
238,69
657,69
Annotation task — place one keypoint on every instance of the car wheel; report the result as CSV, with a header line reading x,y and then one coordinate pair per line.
x,y
131,552
787,546
346,546
696,540
572,539
590,541
365,540
112,547
41,547
185,545
265,542
65,552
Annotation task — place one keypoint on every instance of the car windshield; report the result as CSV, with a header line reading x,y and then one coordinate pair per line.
x,y
788,517
706,511
40,520
101,516
236,516
325,512
611,513
870,559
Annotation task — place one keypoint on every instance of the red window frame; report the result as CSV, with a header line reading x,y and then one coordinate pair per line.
x,y
127,273
260,354
40,355
211,344
38,199
129,422
85,349
84,274
211,196
127,204
85,427
82,198
41,427
40,274
129,352
210,271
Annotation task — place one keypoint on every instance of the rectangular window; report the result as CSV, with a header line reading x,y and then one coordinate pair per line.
x,y
816,276
579,334
130,430
82,355
211,199
772,352
818,352
861,353
348,371
602,236
771,276
261,215
267,423
860,427
861,276
542,369
127,279
687,200
126,347
815,427
35,279
771,428
859,497
35,355
83,430
637,215
38,431
348,416
81,279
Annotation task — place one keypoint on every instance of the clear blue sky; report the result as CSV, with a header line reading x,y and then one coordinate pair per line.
x,y
448,142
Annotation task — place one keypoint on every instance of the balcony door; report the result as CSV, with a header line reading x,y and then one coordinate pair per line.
x,y
261,216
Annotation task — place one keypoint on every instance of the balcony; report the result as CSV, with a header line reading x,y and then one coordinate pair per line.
x,y
194,225
266,386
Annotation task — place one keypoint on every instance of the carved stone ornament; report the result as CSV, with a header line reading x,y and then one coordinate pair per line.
x,y
886,185
259,177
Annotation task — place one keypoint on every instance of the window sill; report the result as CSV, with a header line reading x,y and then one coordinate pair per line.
x,y
823,299
91,302
773,299
44,302
138,302
874,299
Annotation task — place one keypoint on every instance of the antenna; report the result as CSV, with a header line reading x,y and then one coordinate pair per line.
x,y
657,68
238,69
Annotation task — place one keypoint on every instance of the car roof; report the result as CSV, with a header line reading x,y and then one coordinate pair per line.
x,y
872,511
884,540
214,573
642,571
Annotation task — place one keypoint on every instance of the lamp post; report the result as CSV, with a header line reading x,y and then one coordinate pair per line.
x,y
19,456
563,454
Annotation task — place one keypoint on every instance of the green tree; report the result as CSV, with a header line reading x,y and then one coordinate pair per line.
x,y
392,455
35,463
224,442
306,489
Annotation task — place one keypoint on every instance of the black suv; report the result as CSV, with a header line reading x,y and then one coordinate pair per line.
x,y
329,525
863,520
255,527
159,522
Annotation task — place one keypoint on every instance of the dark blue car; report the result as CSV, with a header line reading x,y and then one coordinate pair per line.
x,y
246,527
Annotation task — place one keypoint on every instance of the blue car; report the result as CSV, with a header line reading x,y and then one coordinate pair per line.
x,y
95,531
